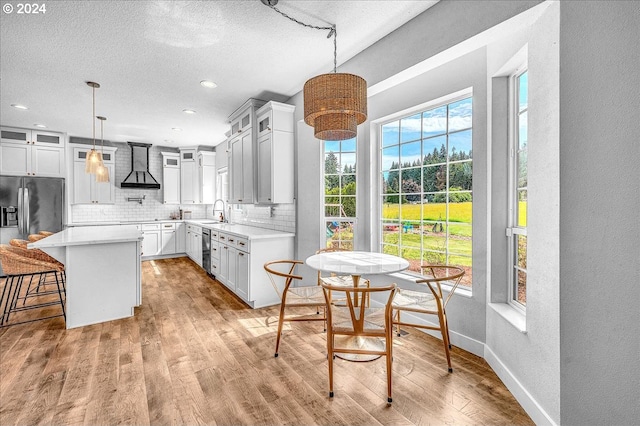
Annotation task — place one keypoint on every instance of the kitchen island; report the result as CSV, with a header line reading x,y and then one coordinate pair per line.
x,y
102,265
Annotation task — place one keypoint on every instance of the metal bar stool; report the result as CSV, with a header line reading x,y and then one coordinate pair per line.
x,y
20,265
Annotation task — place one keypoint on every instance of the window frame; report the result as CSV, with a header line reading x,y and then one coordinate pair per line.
x,y
513,229
376,172
323,218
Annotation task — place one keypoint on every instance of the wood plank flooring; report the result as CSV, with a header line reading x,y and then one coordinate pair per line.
x,y
195,354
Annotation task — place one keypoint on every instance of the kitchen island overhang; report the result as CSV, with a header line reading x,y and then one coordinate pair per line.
x,y
102,267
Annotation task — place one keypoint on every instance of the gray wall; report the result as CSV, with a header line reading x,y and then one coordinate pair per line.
x,y
532,358
599,205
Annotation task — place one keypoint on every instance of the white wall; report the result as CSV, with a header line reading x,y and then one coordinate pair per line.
x,y
599,205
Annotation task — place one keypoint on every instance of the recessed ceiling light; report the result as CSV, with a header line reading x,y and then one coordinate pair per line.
x,y
18,106
176,129
188,111
208,84
42,126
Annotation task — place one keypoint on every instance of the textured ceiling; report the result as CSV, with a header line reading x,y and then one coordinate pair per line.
x,y
150,56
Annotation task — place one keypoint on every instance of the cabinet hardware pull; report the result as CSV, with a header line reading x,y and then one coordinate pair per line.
x,y
241,243
231,240
240,254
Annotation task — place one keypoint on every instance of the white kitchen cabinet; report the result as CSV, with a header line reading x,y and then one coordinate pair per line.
x,y
189,193
194,243
242,169
169,239
207,177
197,176
241,259
275,153
25,152
242,274
171,177
151,241
181,235
242,153
85,188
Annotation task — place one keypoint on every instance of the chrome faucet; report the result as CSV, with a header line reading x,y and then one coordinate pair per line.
x,y
224,219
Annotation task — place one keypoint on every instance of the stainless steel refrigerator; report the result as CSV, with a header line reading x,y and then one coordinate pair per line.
x,y
29,205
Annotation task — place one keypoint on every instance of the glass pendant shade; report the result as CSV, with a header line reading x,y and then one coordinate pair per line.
x,y
93,161
94,158
102,173
334,104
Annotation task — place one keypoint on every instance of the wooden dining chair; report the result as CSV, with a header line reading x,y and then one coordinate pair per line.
x,y
293,296
354,320
430,300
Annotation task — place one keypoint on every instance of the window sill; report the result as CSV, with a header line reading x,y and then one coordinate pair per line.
x,y
460,291
515,317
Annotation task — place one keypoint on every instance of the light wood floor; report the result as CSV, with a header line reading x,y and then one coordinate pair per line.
x,y
194,354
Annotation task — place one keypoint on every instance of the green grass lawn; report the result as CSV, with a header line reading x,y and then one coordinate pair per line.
x,y
458,212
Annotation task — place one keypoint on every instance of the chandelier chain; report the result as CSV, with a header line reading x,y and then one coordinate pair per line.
x,y
332,32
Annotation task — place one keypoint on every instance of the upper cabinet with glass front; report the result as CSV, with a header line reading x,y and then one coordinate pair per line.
x,y
25,152
274,126
242,144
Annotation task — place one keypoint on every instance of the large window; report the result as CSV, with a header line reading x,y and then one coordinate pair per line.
x,y
339,193
426,173
518,193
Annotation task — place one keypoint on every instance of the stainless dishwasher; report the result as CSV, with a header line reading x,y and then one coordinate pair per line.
x,y
206,250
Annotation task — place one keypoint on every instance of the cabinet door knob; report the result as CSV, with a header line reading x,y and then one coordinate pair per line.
x,y
240,254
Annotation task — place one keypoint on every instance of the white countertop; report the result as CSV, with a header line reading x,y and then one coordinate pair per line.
x,y
85,235
250,232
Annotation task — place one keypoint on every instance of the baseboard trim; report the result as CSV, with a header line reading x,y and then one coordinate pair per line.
x,y
463,342
520,393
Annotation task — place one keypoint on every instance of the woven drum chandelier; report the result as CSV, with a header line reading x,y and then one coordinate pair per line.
x,y
334,103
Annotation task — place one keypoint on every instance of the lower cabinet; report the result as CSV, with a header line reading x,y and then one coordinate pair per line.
x,y
240,266
193,243
223,275
169,238
242,274
151,241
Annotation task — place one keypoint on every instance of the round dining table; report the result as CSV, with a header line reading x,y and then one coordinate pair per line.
x,y
357,264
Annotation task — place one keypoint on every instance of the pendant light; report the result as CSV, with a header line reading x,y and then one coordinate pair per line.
x,y
334,103
102,173
94,159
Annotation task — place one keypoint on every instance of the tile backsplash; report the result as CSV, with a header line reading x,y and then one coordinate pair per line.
x,y
282,218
